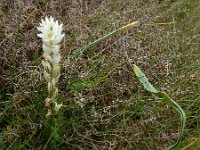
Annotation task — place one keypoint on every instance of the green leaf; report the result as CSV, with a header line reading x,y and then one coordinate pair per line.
x,y
102,39
165,98
144,80
189,144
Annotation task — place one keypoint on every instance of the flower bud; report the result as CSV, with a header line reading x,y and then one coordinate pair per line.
x,y
55,60
47,76
48,101
50,87
47,57
46,65
56,71
57,106
55,93
53,81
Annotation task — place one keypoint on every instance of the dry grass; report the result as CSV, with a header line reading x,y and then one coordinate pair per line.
x,y
117,114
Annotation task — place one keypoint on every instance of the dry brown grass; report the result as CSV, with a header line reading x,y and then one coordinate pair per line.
x,y
115,114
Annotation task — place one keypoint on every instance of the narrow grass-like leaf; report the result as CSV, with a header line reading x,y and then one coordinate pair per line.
x,y
102,39
165,98
189,144
144,80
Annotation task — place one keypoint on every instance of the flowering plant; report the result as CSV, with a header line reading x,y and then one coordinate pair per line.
x,y
51,34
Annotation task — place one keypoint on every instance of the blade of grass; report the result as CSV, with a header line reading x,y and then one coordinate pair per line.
x,y
191,145
165,98
102,39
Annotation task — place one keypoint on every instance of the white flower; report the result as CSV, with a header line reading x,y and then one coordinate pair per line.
x,y
57,106
51,34
50,87
51,49
47,76
46,65
48,101
51,31
54,59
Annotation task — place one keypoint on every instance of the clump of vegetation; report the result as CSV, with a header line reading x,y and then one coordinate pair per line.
x,y
165,98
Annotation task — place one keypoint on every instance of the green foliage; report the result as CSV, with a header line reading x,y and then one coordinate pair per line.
x,y
165,98
76,84
189,144
79,52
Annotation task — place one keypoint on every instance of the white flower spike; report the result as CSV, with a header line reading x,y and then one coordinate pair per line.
x,y
51,34
51,31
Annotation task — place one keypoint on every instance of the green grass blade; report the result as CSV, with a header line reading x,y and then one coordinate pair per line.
x,y
102,39
165,98
144,80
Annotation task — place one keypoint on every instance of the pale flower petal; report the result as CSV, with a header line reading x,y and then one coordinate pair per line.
x,y
57,106
50,29
56,60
